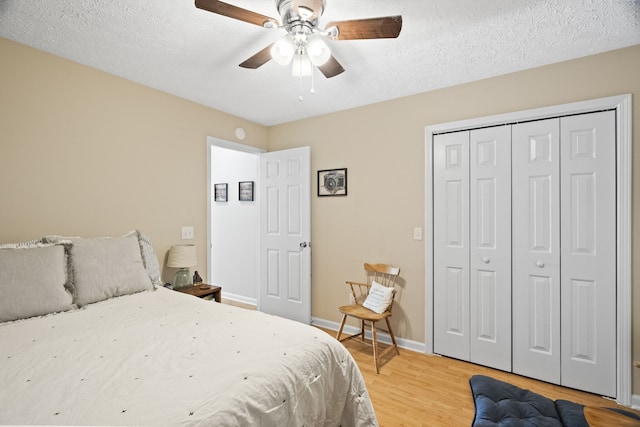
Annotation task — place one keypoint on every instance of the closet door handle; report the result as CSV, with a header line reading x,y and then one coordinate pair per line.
x,y
486,260
540,264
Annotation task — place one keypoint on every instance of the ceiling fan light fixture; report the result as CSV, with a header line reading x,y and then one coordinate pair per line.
x,y
301,66
318,51
305,12
299,18
283,50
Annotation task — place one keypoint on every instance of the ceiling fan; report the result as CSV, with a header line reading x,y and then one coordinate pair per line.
x,y
303,46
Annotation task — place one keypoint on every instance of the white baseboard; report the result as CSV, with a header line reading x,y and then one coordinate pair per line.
x,y
383,337
635,401
240,298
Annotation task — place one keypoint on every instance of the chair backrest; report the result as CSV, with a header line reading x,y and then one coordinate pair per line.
x,y
383,274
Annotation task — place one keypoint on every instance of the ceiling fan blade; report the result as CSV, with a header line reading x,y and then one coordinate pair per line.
x,y
259,59
331,68
387,27
234,12
304,7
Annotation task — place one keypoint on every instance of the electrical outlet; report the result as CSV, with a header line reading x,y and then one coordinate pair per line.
x,y
417,233
187,233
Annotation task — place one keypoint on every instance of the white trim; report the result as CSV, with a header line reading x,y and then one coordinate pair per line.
x,y
234,145
428,239
217,142
635,401
624,279
623,107
240,298
382,336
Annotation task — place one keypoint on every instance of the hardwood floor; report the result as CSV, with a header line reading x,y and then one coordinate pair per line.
x,y
416,389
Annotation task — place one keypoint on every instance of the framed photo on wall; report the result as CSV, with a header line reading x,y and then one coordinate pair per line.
x,y
245,191
332,182
220,192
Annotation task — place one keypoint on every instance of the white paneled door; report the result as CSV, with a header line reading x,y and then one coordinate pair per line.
x,y
524,249
451,244
285,248
564,251
536,249
490,247
472,269
588,218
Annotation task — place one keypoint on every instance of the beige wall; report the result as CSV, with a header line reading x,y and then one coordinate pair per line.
x,y
382,145
83,152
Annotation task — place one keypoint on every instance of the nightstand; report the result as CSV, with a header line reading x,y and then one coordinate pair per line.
x,y
197,291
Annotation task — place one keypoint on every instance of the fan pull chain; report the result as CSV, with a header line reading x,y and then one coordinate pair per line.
x,y
313,88
300,98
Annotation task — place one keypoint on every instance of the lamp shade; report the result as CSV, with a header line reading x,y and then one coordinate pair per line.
x,y
181,256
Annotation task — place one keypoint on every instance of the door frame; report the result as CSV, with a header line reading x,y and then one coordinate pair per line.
x,y
218,142
623,107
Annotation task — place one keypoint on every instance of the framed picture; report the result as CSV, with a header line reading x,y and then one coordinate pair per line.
x,y
220,192
332,182
245,191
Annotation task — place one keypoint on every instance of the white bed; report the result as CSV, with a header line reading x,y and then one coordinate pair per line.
x,y
165,358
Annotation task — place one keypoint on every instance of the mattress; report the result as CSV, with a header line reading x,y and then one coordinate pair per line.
x,y
166,358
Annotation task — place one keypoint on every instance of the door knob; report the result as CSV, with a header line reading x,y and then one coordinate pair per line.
x,y
486,260
540,264
303,245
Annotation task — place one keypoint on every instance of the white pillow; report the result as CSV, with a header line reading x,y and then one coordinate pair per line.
x,y
107,267
32,282
379,298
149,258
23,245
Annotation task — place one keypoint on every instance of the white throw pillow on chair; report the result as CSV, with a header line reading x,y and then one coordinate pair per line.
x,y
379,298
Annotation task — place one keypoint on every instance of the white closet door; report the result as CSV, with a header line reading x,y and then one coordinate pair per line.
x,y
490,247
589,252
536,250
451,244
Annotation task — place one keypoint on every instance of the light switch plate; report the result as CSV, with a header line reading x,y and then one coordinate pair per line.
x,y
187,233
417,233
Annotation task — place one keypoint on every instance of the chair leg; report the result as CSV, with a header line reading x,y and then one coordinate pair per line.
x,y
375,346
362,330
393,339
344,319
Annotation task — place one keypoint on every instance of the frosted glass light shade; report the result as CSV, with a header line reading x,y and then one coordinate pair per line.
x,y
282,51
318,51
301,65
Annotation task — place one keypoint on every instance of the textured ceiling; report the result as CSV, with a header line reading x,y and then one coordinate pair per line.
x,y
172,46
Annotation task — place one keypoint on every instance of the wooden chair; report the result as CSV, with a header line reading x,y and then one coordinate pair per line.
x,y
385,275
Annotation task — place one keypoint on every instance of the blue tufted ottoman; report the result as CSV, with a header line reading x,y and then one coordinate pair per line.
x,y
503,404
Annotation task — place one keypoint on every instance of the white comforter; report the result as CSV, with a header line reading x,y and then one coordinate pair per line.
x,y
165,358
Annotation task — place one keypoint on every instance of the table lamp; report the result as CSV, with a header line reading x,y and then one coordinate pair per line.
x,y
182,257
